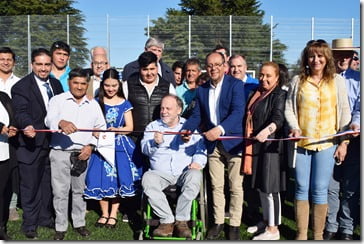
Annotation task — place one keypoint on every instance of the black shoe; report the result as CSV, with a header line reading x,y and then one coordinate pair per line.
x,y
328,235
83,231
31,234
215,231
59,236
346,237
234,233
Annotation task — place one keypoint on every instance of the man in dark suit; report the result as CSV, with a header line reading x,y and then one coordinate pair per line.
x,y
30,99
155,46
219,111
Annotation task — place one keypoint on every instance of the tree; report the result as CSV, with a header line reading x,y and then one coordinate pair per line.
x,y
210,25
47,23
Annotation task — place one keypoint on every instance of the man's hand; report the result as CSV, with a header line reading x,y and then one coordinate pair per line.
x,y
158,138
213,134
12,131
85,152
29,131
67,127
186,135
194,165
340,151
355,127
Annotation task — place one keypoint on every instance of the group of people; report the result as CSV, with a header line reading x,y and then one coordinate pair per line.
x,y
104,135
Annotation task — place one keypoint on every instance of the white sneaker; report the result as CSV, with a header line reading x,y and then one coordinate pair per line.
x,y
257,228
266,235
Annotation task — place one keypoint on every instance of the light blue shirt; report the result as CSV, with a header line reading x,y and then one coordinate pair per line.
x,y
352,79
186,94
64,78
85,115
173,155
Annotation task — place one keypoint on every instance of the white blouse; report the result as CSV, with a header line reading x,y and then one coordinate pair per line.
x,y
4,145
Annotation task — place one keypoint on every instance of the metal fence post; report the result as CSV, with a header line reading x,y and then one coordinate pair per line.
x,y
352,29
230,34
312,28
271,38
189,36
29,45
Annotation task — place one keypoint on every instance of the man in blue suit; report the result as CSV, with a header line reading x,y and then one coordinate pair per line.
x,y
219,110
30,101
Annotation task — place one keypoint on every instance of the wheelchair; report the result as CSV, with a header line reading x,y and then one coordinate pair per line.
x,y
199,214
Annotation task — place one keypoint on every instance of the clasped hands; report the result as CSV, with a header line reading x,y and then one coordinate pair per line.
x,y
9,131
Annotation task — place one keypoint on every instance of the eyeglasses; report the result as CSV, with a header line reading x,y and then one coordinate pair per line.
x,y
100,63
355,58
319,41
211,66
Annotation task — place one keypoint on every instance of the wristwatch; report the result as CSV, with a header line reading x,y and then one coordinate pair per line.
x,y
270,129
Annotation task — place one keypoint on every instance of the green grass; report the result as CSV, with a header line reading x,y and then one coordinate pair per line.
x,y
124,231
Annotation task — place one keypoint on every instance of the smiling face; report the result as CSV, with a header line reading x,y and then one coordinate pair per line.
x,y
317,62
111,87
78,87
42,66
170,111
268,77
192,72
215,67
7,63
238,67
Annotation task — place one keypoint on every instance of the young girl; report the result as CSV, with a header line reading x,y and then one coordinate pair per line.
x,y
105,182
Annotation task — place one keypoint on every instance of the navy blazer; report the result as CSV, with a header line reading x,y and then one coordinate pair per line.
x,y
29,109
231,109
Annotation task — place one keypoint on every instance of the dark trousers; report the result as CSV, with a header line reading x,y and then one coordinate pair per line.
x,y
36,192
5,191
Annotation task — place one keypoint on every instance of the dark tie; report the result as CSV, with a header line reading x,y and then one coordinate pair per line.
x,y
49,90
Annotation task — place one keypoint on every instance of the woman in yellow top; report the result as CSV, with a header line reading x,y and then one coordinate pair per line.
x,y
316,106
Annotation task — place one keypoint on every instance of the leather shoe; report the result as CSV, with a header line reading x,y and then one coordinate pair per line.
x,y
346,237
234,232
215,231
31,234
328,235
59,236
165,230
83,231
182,230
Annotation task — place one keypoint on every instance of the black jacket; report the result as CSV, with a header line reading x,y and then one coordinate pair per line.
x,y
269,163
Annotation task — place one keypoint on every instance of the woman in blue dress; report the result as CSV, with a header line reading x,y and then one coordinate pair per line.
x,y
105,181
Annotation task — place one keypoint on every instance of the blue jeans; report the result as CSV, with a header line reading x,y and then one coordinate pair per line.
x,y
313,171
344,213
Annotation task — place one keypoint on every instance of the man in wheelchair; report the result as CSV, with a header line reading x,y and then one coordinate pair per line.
x,y
172,162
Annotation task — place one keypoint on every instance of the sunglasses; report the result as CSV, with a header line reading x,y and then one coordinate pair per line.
x,y
319,41
355,58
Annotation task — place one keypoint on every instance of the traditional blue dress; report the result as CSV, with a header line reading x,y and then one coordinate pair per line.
x,y
106,181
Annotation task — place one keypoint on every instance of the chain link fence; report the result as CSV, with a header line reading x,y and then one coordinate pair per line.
x,y
185,36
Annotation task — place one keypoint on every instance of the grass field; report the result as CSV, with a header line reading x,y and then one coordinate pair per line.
x,y
129,231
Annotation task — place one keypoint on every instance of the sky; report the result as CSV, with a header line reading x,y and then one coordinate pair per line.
x,y
137,12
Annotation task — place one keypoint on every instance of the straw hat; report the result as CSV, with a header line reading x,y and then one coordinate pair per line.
x,y
343,44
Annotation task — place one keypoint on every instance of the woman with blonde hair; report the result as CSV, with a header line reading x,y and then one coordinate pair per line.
x,y
316,106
